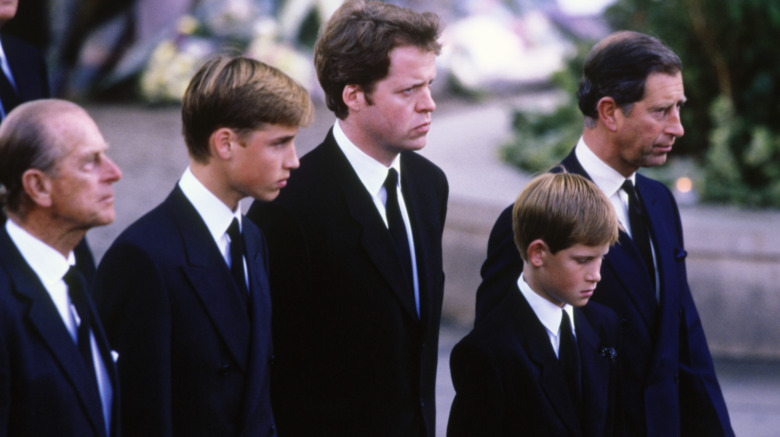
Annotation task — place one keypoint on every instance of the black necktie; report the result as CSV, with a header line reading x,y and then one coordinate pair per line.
x,y
569,357
78,296
8,94
237,258
396,223
639,231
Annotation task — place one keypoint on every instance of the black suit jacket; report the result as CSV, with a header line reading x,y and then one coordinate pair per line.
x,y
45,388
509,382
193,359
353,358
669,385
29,70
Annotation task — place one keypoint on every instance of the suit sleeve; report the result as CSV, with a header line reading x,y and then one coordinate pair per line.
x,y
501,268
478,407
132,301
702,407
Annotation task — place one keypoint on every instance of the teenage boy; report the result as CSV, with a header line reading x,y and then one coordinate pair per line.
x,y
184,290
542,365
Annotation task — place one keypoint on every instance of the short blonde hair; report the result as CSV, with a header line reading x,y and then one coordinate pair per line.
x,y
242,94
563,209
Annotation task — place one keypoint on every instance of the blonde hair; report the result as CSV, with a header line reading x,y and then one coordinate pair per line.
x,y
242,94
563,209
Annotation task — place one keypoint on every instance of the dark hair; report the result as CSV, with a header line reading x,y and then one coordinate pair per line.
x,y
354,46
618,67
27,141
242,94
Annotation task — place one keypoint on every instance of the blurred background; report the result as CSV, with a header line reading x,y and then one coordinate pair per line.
x,y
506,111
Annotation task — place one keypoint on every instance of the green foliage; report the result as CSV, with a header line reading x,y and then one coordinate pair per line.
x,y
731,75
541,140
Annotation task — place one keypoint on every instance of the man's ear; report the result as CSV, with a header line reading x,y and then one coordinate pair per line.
x,y
610,114
222,142
37,185
354,97
537,252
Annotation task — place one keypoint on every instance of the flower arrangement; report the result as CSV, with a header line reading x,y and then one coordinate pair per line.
x,y
235,26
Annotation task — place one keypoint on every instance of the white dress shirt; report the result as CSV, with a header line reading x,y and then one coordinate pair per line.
x,y
214,213
611,182
372,175
50,267
548,313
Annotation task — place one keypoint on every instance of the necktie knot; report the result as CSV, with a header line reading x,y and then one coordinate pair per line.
x,y
234,232
77,293
391,182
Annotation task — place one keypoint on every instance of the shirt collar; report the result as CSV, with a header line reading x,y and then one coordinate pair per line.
x,y
605,177
48,264
371,172
213,211
547,312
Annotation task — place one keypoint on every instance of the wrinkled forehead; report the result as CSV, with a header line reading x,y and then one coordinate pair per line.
x,y
75,132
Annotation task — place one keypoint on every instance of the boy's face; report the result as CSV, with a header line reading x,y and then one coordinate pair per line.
x,y
264,161
570,276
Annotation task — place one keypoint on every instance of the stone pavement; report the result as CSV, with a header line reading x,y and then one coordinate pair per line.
x,y
146,143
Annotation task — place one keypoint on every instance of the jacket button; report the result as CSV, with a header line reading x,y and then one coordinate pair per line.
x,y
272,360
223,369
676,378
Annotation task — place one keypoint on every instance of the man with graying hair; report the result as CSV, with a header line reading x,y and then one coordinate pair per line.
x,y
57,374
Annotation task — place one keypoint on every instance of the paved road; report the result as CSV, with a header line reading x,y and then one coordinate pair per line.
x,y
146,143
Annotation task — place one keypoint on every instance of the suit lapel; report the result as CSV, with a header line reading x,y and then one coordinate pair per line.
x,y
595,377
210,277
45,319
375,238
540,351
662,222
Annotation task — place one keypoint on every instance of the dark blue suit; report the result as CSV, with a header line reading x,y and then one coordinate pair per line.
x,y
353,358
28,68
45,388
194,360
669,384
509,382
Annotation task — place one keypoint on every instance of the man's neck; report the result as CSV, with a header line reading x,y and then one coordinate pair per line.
x,y
42,227
366,144
211,178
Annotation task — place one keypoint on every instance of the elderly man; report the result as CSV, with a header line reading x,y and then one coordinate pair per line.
x,y
57,375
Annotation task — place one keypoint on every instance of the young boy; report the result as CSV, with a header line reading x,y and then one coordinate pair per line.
x,y
184,290
541,365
